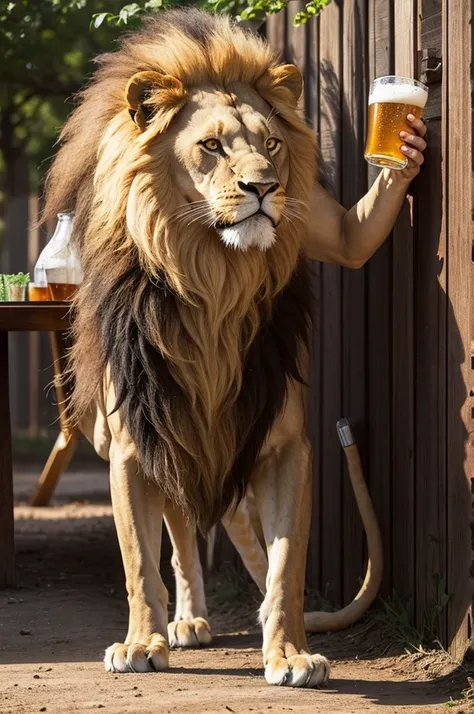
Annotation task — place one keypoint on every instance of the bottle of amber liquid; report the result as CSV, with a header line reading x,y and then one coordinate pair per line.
x,y
58,272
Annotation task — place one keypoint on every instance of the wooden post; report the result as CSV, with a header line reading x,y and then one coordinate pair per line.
x,y
331,326
312,106
66,443
430,344
457,57
403,483
354,186
379,321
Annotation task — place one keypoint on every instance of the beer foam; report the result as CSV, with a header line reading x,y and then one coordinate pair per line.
x,y
399,93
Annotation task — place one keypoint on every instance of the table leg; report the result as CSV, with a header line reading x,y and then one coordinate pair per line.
x,y
57,463
7,561
67,440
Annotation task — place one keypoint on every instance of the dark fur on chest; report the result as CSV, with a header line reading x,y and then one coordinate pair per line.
x,y
152,403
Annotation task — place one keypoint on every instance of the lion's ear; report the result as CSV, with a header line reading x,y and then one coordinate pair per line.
x,y
142,87
284,77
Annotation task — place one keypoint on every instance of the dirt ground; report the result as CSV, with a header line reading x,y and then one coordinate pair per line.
x,y
70,605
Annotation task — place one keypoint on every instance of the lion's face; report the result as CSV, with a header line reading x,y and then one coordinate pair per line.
x,y
229,162
231,165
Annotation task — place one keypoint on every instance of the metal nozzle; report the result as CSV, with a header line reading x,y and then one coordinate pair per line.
x,y
344,431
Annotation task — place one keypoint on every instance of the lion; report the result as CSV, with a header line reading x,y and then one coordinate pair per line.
x,y
189,169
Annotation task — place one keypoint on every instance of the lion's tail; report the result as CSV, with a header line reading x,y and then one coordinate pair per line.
x,y
331,621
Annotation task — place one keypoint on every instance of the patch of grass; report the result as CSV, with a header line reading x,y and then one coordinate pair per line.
x,y
228,588
398,624
316,601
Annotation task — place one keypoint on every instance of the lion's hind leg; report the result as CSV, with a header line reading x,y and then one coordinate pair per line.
x,y
190,627
244,530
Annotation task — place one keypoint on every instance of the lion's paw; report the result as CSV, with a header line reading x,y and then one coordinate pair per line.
x,y
189,633
302,670
149,656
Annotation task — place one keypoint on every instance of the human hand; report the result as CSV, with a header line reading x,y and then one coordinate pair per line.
x,y
413,147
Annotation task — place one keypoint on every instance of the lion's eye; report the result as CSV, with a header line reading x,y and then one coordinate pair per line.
x,y
273,144
212,144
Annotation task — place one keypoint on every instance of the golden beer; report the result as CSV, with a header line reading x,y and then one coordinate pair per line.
x,y
391,99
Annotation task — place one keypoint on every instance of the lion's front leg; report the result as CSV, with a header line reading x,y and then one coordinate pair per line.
x,y
282,487
138,513
190,627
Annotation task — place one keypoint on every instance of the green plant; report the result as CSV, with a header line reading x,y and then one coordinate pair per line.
x,y
242,9
452,703
315,600
229,588
19,279
398,624
260,8
3,289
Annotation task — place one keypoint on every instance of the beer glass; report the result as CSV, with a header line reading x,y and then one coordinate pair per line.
x,y
390,100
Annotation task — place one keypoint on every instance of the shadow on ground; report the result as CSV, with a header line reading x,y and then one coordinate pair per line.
x,y
70,604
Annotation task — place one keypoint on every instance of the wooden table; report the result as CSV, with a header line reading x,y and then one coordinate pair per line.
x,y
19,317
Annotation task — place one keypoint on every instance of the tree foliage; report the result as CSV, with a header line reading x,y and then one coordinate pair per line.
x,y
242,9
47,48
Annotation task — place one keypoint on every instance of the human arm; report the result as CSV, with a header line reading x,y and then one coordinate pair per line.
x,y
351,237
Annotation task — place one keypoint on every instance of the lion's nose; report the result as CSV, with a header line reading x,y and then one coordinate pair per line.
x,y
261,189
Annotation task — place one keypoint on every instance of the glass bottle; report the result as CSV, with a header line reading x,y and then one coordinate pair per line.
x,y
58,271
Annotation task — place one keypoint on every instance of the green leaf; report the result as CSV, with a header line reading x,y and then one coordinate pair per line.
x,y
154,5
99,18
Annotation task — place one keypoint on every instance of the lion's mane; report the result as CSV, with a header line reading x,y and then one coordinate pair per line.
x,y
200,339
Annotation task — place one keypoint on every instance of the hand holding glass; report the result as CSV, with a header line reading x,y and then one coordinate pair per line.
x,y
391,99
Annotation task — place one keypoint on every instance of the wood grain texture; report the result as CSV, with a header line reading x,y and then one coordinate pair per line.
x,y
331,305
315,435
58,461
312,76
430,366
275,32
7,561
354,186
29,317
379,320
403,484
312,101
458,49
296,44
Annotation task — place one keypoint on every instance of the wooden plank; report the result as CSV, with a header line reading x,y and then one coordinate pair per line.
x,y
430,348
311,78
314,423
331,333
431,30
296,41
296,52
7,562
26,317
354,186
403,483
379,319
312,99
458,58
275,31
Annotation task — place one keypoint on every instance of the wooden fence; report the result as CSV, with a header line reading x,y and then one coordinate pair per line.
x,y
392,342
